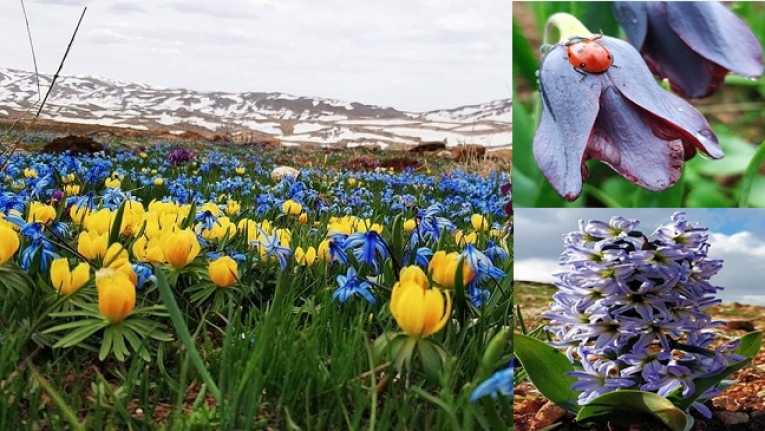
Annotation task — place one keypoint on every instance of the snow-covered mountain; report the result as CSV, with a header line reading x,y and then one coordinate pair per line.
x,y
291,119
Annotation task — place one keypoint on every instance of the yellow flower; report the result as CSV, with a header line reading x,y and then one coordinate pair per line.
x,y
223,271
159,181
291,207
116,294
68,178
148,250
352,182
233,207
419,312
30,173
180,248
443,269
410,225
415,274
303,219
40,213
305,258
132,218
65,281
462,239
479,222
92,245
323,251
71,189
221,229
239,170
78,214
213,208
113,183
341,225
9,243
99,221
118,259
143,155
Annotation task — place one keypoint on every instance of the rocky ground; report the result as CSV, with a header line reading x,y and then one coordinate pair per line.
x,y
740,408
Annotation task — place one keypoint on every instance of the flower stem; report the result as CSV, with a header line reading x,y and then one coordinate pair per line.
x,y
561,27
751,172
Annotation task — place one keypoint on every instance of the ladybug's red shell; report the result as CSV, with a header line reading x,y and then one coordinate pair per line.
x,y
589,56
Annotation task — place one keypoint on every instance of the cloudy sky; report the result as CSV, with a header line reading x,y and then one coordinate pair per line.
x,y
410,54
738,237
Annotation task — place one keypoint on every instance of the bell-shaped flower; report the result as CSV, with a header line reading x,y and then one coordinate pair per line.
x,y
223,271
419,312
65,280
692,44
9,243
116,294
619,116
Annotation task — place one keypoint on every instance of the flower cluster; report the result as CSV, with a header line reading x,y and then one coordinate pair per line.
x,y
630,309
223,223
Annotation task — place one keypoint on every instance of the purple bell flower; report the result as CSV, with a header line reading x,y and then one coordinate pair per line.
x,y
692,44
621,117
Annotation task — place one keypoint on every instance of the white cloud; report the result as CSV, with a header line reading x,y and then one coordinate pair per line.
x,y
415,56
741,243
535,269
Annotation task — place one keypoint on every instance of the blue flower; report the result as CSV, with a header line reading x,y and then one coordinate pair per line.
x,y
272,247
368,247
351,284
500,383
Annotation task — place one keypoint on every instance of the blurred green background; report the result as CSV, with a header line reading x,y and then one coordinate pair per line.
x,y
736,113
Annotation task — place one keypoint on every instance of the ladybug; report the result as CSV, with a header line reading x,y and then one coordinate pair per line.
x,y
588,55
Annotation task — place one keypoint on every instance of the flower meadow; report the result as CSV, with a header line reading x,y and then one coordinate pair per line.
x,y
203,287
630,328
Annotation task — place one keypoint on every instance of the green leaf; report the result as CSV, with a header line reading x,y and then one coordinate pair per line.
x,y
669,198
738,153
628,406
114,234
429,358
548,369
524,61
749,346
183,332
78,336
751,172
106,343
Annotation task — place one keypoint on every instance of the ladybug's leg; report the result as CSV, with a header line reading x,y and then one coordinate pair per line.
x,y
581,72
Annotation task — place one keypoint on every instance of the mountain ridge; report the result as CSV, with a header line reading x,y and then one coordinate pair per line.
x,y
294,120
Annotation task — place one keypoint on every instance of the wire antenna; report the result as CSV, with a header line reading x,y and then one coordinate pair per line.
x,y
32,47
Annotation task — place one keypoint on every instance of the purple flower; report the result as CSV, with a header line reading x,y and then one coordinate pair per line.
x,y
630,308
598,378
178,156
620,117
693,44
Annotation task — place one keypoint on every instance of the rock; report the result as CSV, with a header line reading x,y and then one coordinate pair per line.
x,y
427,147
732,418
445,154
284,171
468,152
362,163
73,144
739,324
400,164
547,415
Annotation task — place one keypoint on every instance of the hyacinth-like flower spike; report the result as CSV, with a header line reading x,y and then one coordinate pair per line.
x,y
692,44
610,109
630,308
